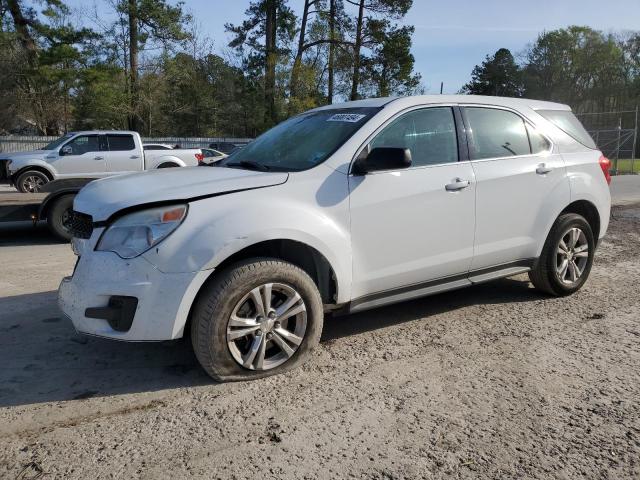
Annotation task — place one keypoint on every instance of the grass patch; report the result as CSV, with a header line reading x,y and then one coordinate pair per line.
x,y
625,165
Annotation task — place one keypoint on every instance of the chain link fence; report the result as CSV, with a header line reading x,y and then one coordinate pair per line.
x,y
616,134
15,143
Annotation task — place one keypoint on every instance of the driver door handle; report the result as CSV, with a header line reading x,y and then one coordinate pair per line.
x,y
133,157
98,158
457,184
543,169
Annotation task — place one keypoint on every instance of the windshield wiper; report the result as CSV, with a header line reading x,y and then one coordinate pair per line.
x,y
249,165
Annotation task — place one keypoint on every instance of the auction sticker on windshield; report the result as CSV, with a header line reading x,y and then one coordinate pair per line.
x,y
346,117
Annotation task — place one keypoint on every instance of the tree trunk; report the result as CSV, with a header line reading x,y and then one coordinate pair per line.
x,y
270,62
332,46
133,119
356,53
21,25
295,70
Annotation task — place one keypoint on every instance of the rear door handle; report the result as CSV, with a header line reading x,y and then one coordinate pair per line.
x,y
543,169
457,184
98,158
133,157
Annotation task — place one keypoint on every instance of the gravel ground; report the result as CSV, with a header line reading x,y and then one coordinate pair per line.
x,y
495,381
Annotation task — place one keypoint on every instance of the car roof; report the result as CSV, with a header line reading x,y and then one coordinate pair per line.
x,y
435,99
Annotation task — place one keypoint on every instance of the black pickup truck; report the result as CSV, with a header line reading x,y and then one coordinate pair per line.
x,y
53,204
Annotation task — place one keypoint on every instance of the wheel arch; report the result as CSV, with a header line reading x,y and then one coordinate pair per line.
x,y
37,168
304,256
590,213
168,160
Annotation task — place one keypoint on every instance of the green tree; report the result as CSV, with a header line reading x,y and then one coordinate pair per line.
x,y
146,22
48,52
389,69
262,40
369,10
575,65
498,75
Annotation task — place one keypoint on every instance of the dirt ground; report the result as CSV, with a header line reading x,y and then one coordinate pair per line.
x,y
495,381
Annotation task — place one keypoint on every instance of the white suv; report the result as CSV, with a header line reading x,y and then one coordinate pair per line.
x,y
345,207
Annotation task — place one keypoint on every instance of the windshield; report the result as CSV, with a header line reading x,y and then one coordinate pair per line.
x,y
56,143
302,142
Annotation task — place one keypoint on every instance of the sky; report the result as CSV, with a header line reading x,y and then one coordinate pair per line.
x,y
452,36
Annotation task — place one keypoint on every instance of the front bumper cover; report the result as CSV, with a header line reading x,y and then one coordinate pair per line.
x,y
164,299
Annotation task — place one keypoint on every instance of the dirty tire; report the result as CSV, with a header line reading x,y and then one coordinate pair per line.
x,y
220,296
544,275
31,181
56,216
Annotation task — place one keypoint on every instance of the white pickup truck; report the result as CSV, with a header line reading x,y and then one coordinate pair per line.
x,y
90,154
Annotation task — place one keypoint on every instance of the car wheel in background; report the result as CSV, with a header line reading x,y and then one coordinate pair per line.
x,y
31,181
256,318
59,217
567,256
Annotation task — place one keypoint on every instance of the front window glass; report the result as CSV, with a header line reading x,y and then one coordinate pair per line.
x,y
497,133
56,143
429,133
302,142
83,144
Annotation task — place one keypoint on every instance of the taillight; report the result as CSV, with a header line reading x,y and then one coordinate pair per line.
x,y
199,157
605,165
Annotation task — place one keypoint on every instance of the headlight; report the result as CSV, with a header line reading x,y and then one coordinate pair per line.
x,y
134,234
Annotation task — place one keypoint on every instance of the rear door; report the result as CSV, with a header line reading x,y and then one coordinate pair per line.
x,y
123,155
415,225
520,183
81,156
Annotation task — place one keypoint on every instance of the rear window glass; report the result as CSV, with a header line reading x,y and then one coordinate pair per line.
x,y
566,121
120,142
497,133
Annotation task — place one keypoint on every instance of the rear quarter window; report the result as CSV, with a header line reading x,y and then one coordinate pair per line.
x,y
566,121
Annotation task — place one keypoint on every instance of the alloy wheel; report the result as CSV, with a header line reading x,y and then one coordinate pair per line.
x,y
572,256
267,326
32,184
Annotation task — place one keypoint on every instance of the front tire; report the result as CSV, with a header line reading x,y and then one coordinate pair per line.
x,y
31,181
567,256
257,318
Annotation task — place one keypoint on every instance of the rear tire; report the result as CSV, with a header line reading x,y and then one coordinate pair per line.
x,y
31,181
567,256
234,338
59,215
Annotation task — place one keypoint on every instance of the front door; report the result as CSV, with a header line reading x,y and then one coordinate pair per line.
x,y
413,226
80,156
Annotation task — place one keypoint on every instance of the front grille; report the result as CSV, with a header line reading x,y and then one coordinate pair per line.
x,y
80,225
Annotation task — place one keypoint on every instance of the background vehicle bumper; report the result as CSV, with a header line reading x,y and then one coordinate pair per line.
x,y
164,299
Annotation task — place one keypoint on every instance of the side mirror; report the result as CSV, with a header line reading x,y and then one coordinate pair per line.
x,y
383,158
66,150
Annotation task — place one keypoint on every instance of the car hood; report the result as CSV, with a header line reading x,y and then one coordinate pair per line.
x,y
29,154
102,198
